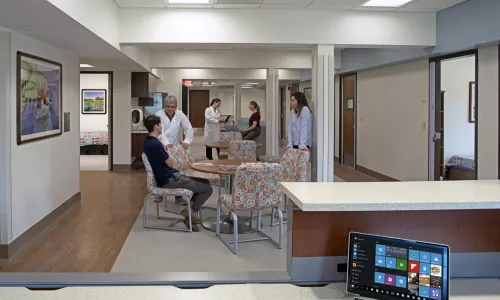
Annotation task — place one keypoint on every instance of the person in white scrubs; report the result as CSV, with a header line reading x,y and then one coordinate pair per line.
x,y
172,120
212,126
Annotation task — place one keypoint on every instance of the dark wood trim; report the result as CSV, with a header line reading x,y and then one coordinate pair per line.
x,y
374,174
105,102
453,55
18,97
476,114
341,112
498,111
336,159
465,231
25,240
110,113
122,167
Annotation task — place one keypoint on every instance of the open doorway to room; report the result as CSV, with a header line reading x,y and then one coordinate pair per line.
x,y
453,117
96,119
348,120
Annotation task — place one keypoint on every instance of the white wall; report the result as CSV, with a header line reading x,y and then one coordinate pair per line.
x,y
94,122
487,164
46,173
458,132
392,120
122,118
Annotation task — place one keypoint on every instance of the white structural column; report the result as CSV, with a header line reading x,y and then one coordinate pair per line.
x,y
272,112
237,102
323,107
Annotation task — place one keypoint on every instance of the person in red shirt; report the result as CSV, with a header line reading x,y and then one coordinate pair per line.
x,y
253,129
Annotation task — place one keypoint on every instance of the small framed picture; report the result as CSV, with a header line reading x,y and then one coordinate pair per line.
x,y
94,101
350,104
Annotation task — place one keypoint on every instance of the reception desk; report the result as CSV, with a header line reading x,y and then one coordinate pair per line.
x,y
462,214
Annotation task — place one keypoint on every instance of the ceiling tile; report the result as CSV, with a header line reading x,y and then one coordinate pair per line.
x,y
285,3
140,3
426,5
335,4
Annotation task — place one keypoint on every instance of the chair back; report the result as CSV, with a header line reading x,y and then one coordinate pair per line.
x,y
294,165
230,136
179,157
190,155
150,176
244,150
256,186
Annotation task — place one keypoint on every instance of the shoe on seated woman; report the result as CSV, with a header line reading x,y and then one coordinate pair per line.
x,y
194,218
195,227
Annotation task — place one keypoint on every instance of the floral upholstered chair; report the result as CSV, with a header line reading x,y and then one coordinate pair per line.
x,y
272,158
183,164
293,164
228,137
256,187
242,150
156,191
195,157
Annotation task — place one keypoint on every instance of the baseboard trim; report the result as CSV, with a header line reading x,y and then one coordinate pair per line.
x,y
336,159
25,240
122,167
374,174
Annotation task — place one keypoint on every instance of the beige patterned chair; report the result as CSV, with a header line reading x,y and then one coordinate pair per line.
x,y
272,158
195,157
242,150
228,137
156,191
255,188
182,163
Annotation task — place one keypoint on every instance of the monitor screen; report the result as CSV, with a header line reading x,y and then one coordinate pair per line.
x,y
390,268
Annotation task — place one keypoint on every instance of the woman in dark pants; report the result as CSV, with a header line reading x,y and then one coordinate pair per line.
x,y
253,129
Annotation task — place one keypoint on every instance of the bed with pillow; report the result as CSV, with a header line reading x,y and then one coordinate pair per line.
x,y
460,167
94,143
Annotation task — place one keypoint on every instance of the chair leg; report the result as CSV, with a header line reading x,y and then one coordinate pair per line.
x,y
144,211
189,212
157,209
259,219
280,220
235,231
157,201
217,218
251,219
272,217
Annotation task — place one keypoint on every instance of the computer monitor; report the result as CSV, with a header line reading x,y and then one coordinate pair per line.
x,y
389,268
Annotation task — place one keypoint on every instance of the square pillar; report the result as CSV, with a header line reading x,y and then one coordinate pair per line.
x,y
237,102
272,112
323,112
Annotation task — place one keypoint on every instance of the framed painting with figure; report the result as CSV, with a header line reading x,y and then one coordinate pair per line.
x,y
472,102
39,98
94,101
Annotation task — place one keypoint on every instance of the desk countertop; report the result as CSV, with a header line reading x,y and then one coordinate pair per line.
x,y
471,289
393,196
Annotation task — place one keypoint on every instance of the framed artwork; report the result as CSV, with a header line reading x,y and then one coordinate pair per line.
x,y
472,102
94,101
308,93
39,98
350,104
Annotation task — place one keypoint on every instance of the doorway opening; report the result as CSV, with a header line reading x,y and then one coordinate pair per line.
x,y
453,117
348,119
96,120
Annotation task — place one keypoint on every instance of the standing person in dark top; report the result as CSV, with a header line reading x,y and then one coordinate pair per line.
x,y
168,177
253,129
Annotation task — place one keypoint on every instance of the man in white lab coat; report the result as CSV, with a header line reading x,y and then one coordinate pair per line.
x,y
172,120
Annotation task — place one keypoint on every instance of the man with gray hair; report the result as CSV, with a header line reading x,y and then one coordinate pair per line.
x,y
172,120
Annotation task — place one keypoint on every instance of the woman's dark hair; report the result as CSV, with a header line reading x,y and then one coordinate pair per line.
x,y
216,100
301,102
257,107
151,121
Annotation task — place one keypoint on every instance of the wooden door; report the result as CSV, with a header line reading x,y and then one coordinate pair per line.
x,y
441,144
348,120
198,102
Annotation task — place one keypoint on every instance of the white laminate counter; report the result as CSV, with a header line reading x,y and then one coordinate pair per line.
x,y
393,196
470,289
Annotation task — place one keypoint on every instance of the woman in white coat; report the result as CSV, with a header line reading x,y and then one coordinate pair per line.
x,y
212,126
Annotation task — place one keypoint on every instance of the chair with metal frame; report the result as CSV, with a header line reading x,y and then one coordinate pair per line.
x,y
255,188
156,191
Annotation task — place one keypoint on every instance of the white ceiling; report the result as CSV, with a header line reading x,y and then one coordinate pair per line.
x,y
229,46
415,5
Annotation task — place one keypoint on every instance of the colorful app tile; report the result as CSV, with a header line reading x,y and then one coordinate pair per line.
x,y
390,279
425,257
413,289
436,282
401,281
401,264
424,291
390,262
413,278
380,250
435,294
379,277
436,270
425,269
436,259
424,280
380,261
414,266
397,252
414,255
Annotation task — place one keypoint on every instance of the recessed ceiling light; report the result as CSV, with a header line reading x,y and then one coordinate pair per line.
x,y
386,3
247,87
252,83
189,1
85,66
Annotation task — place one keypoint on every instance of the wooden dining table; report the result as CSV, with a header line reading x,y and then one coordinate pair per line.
x,y
224,167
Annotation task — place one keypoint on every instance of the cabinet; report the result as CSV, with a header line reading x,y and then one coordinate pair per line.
x,y
138,139
143,84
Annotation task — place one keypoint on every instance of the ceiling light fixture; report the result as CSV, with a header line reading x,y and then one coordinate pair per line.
x,y
386,3
86,66
252,83
189,1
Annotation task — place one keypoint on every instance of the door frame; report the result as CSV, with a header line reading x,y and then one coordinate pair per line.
x,y
434,106
341,119
110,113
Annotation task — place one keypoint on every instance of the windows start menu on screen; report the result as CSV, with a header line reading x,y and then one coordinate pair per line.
x,y
385,268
